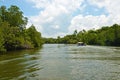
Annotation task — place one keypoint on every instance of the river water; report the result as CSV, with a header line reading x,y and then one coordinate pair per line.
x,y
62,62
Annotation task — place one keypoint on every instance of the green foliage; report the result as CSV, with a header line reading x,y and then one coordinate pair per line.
x,y
106,36
13,16
2,49
1,38
13,33
35,37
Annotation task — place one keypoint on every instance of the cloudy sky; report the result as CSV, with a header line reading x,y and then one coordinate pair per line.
x,y
60,17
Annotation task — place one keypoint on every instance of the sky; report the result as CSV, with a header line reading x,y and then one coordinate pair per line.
x,y
61,17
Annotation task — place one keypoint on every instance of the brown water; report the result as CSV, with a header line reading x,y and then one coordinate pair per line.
x,y
62,62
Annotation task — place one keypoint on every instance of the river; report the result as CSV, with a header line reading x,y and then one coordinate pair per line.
x,y
62,62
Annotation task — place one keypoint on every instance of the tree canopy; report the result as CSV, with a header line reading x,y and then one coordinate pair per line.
x,y
13,32
105,36
14,35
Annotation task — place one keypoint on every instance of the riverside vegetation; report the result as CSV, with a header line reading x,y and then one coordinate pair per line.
x,y
14,35
106,36
13,32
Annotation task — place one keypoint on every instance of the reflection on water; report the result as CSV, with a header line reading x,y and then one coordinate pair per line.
x,y
62,62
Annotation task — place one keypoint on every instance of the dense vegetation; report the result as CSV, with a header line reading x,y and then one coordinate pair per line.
x,y
14,35
13,32
106,36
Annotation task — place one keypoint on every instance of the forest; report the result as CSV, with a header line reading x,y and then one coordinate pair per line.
x,y
105,36
13,32
14,35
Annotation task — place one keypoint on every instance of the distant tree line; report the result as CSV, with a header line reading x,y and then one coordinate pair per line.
x,y
106,36
13,32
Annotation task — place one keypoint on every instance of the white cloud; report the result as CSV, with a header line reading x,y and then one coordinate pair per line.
x,y
81,22
87,22
92,22
40,3
56,27
113,7
53,10
61,34
40,28
69,4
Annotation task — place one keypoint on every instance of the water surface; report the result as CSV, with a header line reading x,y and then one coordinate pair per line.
x,y
62,62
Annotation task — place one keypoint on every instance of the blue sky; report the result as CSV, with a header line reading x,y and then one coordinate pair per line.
x,y
24,6
60,17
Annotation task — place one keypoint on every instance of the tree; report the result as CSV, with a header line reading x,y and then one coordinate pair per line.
x,y
107,35
3,12
35,36
116,28
13,32
1,39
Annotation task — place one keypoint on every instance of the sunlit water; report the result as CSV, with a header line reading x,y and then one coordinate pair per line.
x,y
62,62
